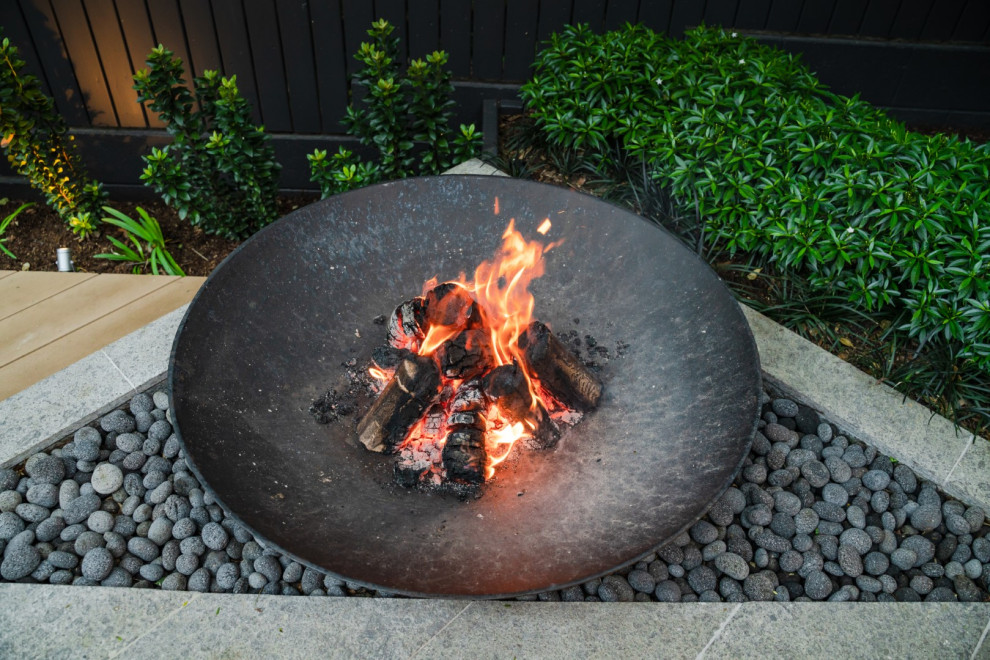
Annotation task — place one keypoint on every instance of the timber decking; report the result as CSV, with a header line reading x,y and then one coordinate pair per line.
x,y
51,320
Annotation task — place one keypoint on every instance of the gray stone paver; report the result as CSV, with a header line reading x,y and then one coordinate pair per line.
x,y
34,418
140,356
44,621
568,630
851,630
969,480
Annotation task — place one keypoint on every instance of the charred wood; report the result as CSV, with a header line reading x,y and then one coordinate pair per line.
x,y
400,405
507,386
464,455
389,357
467,355
450,305
408,476
470,396
407,325
558,369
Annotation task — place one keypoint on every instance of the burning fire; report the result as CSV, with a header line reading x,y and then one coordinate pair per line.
x,y
500,288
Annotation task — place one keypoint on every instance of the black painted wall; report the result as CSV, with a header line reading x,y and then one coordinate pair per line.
x,y
928,61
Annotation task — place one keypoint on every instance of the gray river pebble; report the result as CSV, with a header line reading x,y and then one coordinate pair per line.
x,y
813,516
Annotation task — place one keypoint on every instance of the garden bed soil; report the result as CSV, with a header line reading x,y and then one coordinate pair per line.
x,y
36,234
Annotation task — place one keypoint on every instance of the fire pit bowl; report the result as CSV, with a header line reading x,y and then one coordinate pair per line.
x,y
271,327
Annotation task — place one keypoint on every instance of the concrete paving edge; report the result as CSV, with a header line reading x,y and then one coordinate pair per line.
x,y
107,622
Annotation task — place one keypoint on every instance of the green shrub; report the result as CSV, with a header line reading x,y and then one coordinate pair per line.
x,y
39,148
776,166
220,170
396,114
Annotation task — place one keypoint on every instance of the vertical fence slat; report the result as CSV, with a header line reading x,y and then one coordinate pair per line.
x,y
942,20
487,39
686,14
297,51
201,36
269,74
520,39
166,23
847,17
235,50
358,16
973,22
620,12
394,11
721,12
815,16
85,62
783,16
656,15
424,27
116,63
752,14
591,12
139,39
15,29
910,19
554,15
331,73
54,59
455,35
878,18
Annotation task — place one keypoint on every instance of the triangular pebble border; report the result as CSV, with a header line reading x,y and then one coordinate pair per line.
x,y
111,622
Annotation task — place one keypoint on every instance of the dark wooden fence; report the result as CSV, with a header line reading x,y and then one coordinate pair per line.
x,y
926,60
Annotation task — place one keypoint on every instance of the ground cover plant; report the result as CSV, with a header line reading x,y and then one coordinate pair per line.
x,y
220,170
403,116
739,149
38,146
146,243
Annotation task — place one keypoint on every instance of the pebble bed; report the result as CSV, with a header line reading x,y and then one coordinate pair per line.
x,y
812,516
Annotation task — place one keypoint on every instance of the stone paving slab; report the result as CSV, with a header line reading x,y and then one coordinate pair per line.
x,y
851,630
102,622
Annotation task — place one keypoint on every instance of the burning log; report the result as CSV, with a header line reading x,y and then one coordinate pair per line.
x,y
467,355
451,305
559,370
464,453
400,405
406,325
507,385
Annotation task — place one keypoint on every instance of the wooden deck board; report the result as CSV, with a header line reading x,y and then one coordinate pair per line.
x,y
23,289
62,351
51,320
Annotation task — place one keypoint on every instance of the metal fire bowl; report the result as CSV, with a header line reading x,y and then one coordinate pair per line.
x,y
268,333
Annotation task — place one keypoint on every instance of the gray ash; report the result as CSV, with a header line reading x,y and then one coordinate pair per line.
x,y
330,407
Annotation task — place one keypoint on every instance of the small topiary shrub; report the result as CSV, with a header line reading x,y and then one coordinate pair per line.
x,y
395,115
220,170
39,147
774,165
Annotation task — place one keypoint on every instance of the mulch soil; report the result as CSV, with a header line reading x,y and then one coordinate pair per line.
x,y
36,234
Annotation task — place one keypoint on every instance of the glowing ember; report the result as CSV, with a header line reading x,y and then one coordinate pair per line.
x,y
461,390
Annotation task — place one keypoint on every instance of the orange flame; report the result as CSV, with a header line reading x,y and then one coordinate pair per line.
x,y
502,439
501,288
